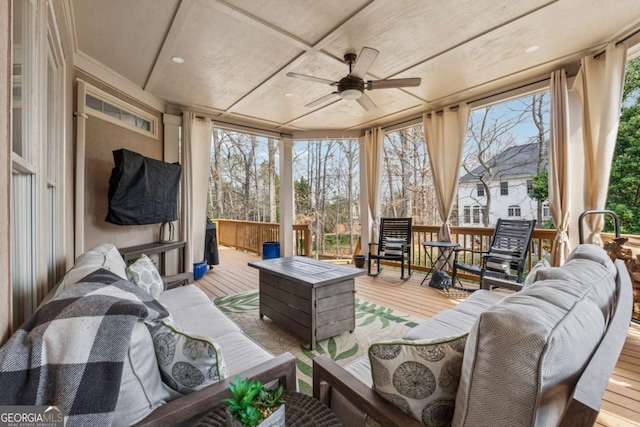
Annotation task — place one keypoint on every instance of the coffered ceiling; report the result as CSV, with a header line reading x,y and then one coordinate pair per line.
x,y
237,53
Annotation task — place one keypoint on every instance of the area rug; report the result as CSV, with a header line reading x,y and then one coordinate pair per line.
x,y
374,323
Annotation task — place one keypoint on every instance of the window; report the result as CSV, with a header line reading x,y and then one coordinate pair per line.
x,y
37,145
480,190
529,186
504,188
514,210
546,211
107,107
477,213
467,215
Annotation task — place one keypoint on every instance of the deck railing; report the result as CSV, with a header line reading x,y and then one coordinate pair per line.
x,y
249,236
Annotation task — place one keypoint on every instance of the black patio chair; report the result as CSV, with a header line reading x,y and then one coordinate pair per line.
x,y
506,256
394,244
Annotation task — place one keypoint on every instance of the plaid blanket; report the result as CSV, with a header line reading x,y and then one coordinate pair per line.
x,y
71,351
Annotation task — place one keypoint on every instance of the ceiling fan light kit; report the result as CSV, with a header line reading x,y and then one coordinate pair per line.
x,y
352,86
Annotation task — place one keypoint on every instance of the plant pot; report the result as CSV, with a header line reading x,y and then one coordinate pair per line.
x,y
359,260
274,420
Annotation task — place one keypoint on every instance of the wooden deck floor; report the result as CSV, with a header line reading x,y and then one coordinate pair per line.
x,y
621,403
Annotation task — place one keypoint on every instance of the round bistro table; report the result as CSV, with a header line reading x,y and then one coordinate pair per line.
x,y
300,411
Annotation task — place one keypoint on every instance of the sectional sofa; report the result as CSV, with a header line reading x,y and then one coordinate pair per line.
x,y
137,389
541,356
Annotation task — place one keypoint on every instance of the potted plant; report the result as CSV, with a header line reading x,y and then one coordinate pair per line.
x,y
253,405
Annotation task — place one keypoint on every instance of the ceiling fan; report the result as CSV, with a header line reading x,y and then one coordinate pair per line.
x,y
352,86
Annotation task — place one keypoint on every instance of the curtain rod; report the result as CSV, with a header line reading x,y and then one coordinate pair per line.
x,y
618,43
214,120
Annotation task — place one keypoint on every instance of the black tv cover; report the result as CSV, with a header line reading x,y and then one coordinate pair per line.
x,y
142,190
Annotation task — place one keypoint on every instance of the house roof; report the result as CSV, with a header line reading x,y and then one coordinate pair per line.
x,y
237,53
515,161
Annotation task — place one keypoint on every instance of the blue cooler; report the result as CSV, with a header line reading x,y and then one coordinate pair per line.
x,y
270,250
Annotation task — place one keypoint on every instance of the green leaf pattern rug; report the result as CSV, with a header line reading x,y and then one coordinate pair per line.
x,y
374,323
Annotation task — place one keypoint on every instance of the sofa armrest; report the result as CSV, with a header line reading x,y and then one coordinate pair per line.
x,y
327,374
490,282
198,403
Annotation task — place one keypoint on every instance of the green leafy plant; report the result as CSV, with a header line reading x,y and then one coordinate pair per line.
x,y
251,402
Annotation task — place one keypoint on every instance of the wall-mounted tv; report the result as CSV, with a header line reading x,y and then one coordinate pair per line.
x,y
142,190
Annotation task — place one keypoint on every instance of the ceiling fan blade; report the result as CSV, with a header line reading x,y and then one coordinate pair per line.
x,y
311,78
322,100
364,62
385,84
366,102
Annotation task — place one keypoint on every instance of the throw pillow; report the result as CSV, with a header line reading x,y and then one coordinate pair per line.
x,y
145,274
532,275
497,264
420,377
187,362
393,246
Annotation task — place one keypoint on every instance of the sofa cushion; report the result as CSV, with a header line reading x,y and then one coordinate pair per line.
x,y
193,311
419,377
524,356
141,389
593,253
102,256
187,362
241,352
145,274
535,273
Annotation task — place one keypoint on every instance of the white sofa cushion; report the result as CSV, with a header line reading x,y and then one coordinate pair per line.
x,y
241,352
102,256
419,377
141,389
187,361
193,311
524,356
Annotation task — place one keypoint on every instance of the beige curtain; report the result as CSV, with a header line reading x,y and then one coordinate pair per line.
x,y
373,143
559,174
599,84
444,137
196,149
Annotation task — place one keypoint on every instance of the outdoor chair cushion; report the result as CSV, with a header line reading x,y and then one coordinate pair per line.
x,y
393,246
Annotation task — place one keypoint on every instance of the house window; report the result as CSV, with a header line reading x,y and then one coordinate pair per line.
x,y
466,218
546,211
107,107
37,144
514,210
480,190
504,188
529,186
476,214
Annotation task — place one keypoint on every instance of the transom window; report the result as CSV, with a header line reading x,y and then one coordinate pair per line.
x,y
107,107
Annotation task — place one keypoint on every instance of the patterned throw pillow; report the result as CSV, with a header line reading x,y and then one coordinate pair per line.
x,y
187,362
420,377
393,246
145,274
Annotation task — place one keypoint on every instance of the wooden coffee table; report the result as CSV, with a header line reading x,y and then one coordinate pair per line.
x,y
312,299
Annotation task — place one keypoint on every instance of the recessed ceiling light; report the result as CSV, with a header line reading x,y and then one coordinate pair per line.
x,y
532,49
177,59
288,94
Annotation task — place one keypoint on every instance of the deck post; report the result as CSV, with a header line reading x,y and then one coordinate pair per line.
x,y
286,195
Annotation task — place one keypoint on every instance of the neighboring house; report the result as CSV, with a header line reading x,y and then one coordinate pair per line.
x,y
509,185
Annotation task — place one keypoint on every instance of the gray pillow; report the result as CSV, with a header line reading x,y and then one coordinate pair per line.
x,y
393,246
